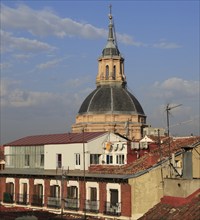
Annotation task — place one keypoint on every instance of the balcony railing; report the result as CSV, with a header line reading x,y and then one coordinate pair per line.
x,y
22,199
92,206
72,204
8,197
54,202
112,209
37,200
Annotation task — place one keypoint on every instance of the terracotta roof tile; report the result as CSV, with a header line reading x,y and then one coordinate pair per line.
x,y
64,138
189,211
148,159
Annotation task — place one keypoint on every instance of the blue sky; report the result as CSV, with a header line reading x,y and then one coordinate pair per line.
x,y
49,60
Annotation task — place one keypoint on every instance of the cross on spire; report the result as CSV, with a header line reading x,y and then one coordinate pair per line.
x,y
110,14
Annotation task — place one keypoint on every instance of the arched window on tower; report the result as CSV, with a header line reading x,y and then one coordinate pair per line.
x,y
114,72
107,72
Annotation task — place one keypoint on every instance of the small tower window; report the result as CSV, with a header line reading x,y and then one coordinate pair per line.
x,y
114,72
107,72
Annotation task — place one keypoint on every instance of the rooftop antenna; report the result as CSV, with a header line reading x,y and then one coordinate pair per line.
x,y
168,109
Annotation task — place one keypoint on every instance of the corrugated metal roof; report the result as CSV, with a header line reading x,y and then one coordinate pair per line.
x,y
64,138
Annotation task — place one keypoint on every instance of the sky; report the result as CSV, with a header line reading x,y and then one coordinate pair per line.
x,y
49,61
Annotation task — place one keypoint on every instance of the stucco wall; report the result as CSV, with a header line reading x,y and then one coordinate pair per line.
x,y
196,162
147,190
181,187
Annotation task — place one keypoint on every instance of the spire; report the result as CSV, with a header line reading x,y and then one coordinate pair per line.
x,y
111,46
111,63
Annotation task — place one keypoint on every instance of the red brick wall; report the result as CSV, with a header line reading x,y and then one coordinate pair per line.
x,y
102,197
126,200
46,190
31,184
82,194
16,189
2,187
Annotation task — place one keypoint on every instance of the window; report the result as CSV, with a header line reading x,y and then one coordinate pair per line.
x,y
27,160
72,192
120,159
107,72
93,193
94,158
38,190
24,188
55,191
42,160
109,159
78,159
10,188
114,72
59,160
113,197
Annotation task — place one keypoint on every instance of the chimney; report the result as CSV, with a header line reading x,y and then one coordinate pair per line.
x,y
187,163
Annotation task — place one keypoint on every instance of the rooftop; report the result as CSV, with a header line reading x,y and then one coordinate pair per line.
x,y
189,211
65,138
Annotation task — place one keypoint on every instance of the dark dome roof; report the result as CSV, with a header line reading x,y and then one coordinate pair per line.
x,y
111,99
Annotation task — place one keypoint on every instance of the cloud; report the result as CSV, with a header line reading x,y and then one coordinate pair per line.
x,y
163,44
49,64
12,96
77,82
10,43
175,87
22,57
5,65
46,23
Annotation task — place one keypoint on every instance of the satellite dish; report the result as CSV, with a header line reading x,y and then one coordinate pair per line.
x,y
108,146
116,147
122,147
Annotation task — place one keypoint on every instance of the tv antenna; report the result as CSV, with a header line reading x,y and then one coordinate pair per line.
x,y
168,109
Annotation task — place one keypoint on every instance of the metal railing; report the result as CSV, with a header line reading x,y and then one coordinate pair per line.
x,y
8,197
54,202
92,206
72,204
112,209
37,200
22,199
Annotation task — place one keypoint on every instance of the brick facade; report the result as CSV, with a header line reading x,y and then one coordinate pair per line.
x,y
126,200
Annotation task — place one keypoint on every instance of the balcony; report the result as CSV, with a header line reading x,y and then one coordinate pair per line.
x,y
71,204
22,199
92,206
8,197
37,200
112,209
54,202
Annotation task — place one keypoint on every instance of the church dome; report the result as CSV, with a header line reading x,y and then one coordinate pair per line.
x,y
111,99
111,107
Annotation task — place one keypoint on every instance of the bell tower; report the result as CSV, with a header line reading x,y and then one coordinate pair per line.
x,y
111,63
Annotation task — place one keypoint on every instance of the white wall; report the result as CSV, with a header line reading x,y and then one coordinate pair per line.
x,y
68,152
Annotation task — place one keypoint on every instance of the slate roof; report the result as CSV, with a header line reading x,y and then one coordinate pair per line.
x,y
189,211
111,99
64,138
